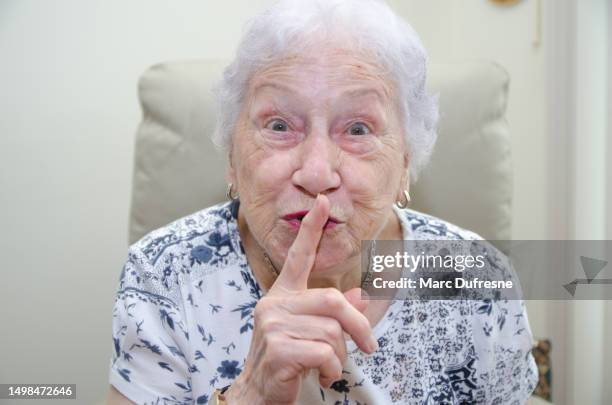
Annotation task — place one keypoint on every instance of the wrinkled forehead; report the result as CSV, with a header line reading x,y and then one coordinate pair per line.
x,y
325,74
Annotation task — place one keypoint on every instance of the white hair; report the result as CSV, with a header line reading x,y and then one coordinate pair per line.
x,y
369,27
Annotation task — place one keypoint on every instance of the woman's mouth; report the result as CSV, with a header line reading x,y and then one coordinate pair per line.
x,y
295,220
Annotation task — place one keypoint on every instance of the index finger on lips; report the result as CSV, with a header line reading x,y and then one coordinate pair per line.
x,y
332,303
302,253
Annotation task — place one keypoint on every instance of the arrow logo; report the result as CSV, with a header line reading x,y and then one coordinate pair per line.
x,y
591,267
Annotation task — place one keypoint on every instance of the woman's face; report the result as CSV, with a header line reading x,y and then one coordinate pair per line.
x,y
326,124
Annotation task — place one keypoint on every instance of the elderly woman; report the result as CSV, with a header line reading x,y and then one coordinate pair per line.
x,y
257,300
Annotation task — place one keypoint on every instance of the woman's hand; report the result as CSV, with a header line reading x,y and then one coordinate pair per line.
x,y
297,329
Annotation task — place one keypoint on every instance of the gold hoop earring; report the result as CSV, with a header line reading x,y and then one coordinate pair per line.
x,y
404,204
228,193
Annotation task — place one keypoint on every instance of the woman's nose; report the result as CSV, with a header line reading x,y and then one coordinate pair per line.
x,y
318,172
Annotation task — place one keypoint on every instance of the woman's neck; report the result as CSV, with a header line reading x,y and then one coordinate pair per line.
x,y
263,272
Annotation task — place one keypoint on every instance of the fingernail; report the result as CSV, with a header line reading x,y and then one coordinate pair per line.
x,y
319,200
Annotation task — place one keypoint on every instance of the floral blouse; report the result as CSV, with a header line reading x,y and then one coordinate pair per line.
x,y
183,321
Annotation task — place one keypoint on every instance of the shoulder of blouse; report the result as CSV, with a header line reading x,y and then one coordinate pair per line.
x,y
159,261
425,226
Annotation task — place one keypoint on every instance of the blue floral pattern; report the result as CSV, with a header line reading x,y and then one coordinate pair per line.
x,y
183,321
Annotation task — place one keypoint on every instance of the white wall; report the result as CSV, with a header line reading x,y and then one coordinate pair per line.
x,y
587,347
608,310
69,110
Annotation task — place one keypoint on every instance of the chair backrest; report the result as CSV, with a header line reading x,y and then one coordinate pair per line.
x,y
177,170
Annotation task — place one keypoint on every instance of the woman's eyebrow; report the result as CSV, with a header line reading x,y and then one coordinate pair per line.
x,y
293,93
376,97
284,87
362,92
379,91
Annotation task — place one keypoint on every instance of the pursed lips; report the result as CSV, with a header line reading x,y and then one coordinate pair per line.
x,y
295,220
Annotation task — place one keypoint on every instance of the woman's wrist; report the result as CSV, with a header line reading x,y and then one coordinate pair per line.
x,y
240,392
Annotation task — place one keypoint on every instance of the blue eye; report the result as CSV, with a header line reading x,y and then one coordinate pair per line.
x,y
278,125
359,128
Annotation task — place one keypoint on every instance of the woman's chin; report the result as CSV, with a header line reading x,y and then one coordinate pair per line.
x,y
329,259
333,249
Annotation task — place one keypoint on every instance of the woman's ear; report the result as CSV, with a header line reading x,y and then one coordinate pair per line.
x,y
404,185
231,172
405,179
406,172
